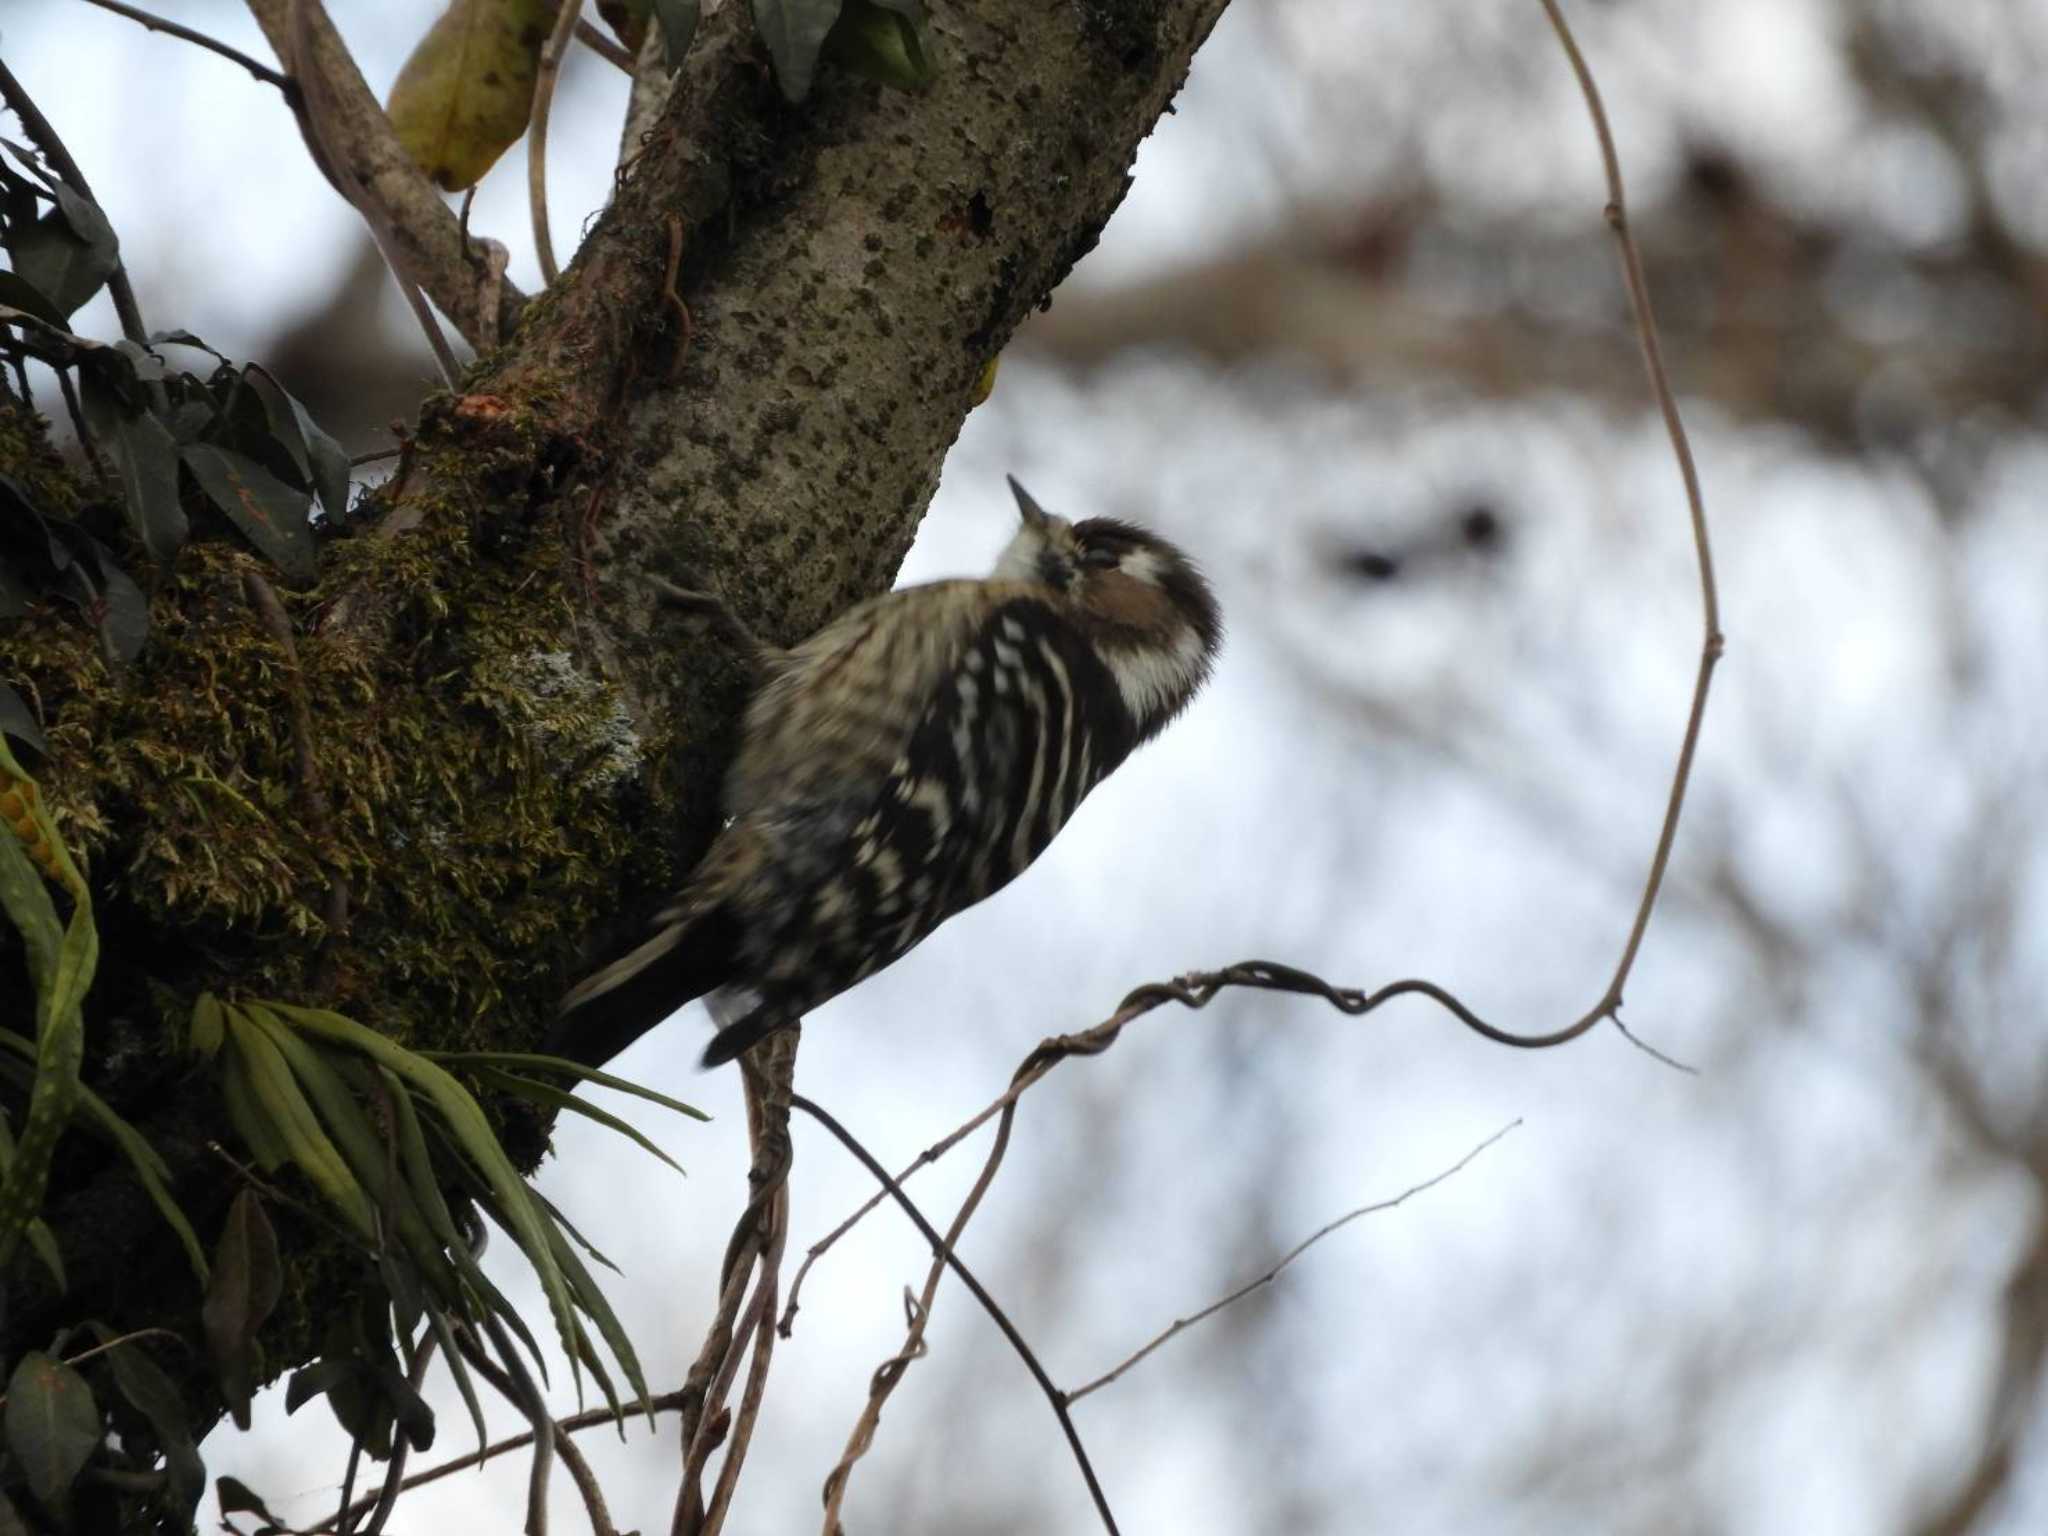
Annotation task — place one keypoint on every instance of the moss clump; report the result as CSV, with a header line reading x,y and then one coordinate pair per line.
x,y
472,781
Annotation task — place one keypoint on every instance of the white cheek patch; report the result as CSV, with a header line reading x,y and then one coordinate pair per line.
x,y
1155,681
1143,565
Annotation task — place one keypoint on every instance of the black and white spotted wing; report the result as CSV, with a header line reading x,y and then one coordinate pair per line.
x,y
1024,724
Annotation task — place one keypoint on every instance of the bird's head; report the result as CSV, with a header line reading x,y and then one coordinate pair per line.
x,y
1141,602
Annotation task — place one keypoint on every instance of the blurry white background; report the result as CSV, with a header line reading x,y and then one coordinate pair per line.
x,y
1360,311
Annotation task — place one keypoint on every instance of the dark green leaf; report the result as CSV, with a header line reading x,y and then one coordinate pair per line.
x,y
146,455
147,365
209,1025
235,1498
269,512
125,620
319,1377
459,1371
413,1417
11,1523
534,1061
269,429
69,253
678,22
330,464
179,338
151,1393
247,1282
17,722
53,1424
547,1096
885,41
794,31
17,292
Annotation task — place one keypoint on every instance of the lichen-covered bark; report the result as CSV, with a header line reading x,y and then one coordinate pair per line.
x,y
511,755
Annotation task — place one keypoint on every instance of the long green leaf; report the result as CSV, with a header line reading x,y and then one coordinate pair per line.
x,y
465,1119
62,970
550,1097
279,1097
513,1061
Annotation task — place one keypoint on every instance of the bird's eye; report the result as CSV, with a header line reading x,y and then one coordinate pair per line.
x,y
1100,559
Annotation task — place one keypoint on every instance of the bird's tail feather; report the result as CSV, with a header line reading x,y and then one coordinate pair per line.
x,y
610,1009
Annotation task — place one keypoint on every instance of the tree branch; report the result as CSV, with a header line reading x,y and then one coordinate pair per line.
x,y
426,245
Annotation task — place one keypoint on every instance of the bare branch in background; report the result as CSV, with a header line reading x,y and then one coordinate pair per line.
x,y
256,67
593,39
1181,1325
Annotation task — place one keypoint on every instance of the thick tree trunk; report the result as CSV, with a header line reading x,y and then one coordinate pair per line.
x,y
490,741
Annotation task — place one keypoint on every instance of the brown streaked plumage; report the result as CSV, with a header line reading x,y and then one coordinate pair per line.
x,y
907,760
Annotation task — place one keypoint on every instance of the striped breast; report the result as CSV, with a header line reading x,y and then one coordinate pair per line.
x,y
1012,736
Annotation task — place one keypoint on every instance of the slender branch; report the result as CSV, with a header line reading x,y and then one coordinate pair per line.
x,y
943,1255
604,47
44,137
537,133
753,1251
559,1442
760,1324
256,67
77,414
590,1418
1710,606
1181,1325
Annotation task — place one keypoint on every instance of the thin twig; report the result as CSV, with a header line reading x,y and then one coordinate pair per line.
x,y
590,1418
751,1395
70,393
256,67
344,1524
753,1251
1180,1325
1710,606
537,132
560,1443
604,47
45,139
943,1254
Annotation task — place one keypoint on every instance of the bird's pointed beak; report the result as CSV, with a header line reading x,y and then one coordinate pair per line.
x,y
1033,514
